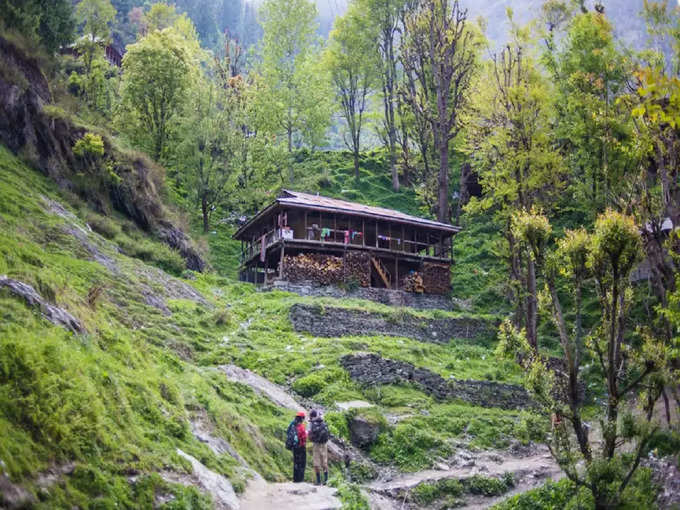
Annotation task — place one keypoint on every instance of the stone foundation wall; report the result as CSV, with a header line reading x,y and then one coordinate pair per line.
x,y
334,322
384,296
370,369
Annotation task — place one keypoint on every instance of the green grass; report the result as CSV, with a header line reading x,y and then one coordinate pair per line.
x,y
119,399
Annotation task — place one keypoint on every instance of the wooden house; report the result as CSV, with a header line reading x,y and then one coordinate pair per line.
x,y
309,237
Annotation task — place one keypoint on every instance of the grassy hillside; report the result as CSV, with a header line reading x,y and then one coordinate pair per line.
x,y
120,399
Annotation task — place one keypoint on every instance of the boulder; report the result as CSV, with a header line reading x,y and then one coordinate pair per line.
x,y
363,430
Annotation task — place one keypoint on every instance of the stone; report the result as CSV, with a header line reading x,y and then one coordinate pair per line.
x,y
353,404
331,321
363,431
385,296
262,386
219,488
54,314
14,496
370,369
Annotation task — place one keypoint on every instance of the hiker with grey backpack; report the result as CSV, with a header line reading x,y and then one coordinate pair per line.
x,y
319,436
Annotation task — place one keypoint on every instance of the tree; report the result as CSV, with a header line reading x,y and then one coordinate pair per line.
x,y
608,256
595,129
96,16
157,73
352,70
211,148
291,87
386,18
512,148
50,22
439,50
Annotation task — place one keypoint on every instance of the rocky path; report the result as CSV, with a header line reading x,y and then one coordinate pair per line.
x,y
529,469
260,495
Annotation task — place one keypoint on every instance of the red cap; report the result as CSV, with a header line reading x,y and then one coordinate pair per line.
x,y
300,414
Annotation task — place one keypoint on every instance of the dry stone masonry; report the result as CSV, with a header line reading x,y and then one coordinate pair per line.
x,y
385,296
335,321
370,369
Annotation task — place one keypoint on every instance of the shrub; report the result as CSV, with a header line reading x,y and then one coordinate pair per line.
x,y
309,385
90,145
337,424
426,493
103,226
486,486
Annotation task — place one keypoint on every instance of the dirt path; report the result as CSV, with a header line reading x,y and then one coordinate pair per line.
x,y
529,471
260,495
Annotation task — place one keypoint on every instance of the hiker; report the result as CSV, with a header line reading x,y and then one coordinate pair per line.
x,y
296,440
319,435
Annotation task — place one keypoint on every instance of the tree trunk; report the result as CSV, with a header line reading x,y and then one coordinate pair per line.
x,y
205,210
356,164
443,181
532,304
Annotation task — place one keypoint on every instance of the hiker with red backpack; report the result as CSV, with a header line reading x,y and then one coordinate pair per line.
x,y
319,435
296,440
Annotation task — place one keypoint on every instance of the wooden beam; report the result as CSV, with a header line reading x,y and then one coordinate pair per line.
x,y
281,261
363,232
376,233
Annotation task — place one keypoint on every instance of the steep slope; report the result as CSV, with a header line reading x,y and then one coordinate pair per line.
x,y
120,413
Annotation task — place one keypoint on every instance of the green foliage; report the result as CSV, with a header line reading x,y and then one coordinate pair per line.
x,y
551,496
90,146
349,494
427,493
157,72
291,98
50,22
309,385
487,486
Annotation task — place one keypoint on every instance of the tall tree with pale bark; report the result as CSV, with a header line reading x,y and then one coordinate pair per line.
x,y
440,51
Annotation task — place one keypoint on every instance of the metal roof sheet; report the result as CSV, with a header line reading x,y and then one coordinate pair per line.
x,y
296,198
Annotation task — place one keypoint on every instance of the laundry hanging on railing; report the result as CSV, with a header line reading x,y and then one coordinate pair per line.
x,y
325,232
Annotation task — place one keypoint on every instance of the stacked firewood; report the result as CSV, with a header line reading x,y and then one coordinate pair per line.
x,y
413,282
358,268
436,278
323,269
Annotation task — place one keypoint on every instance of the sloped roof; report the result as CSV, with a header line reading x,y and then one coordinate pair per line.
x,y
298,199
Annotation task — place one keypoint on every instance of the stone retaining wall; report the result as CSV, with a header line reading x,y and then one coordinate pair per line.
x,y
384,296
370,369
335,322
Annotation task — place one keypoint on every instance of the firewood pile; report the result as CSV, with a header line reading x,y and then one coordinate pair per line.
x,y
412,282
436,278
358,268
319,268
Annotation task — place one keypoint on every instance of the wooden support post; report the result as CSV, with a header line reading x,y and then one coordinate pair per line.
x,y
335,228
306,234
266,268
363,232
403,238
389,236
396,273
451,248
281,261
376,233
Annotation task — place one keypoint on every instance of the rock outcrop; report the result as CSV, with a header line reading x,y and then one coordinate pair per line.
x,y
45,137
370,369
335,321
210,482
363,431
52,313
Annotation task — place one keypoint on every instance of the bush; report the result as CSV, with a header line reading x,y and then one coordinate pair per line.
x,y
309,385
531,427
90,145
337,424
486,486
103,226
426,493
